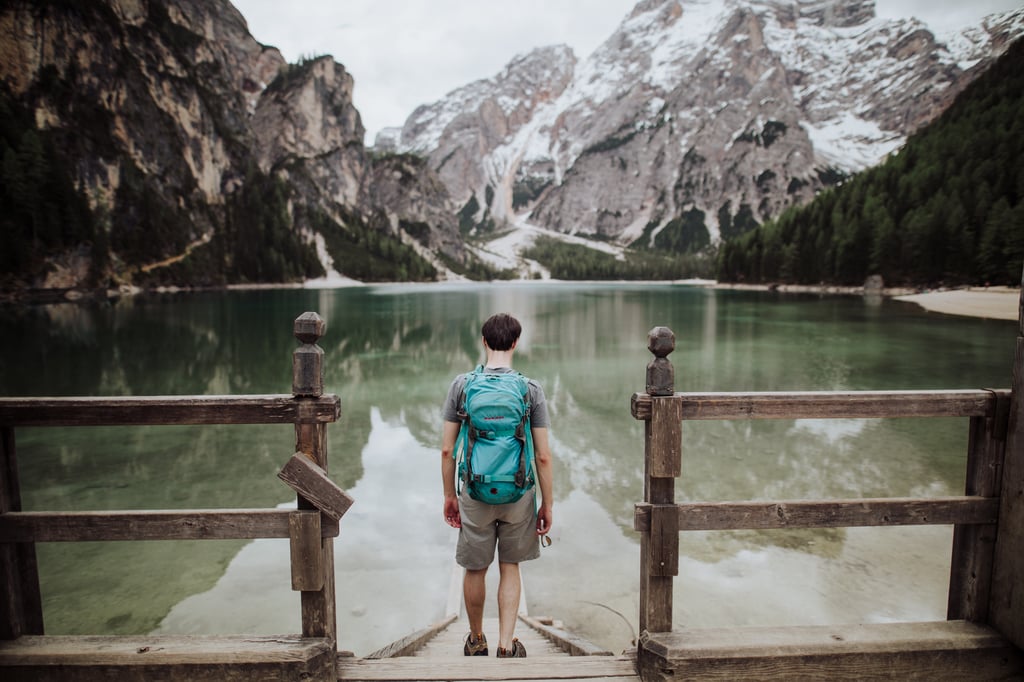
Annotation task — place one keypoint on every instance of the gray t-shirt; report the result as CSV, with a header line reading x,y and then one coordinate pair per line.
x,y
538,404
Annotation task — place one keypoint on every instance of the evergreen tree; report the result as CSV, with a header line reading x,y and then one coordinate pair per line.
x,y
945,209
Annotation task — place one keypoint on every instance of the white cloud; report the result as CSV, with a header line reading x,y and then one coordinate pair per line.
x,y
403,53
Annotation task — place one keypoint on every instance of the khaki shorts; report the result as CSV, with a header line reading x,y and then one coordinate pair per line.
x,y
510,527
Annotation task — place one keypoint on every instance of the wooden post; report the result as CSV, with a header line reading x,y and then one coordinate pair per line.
x,y
659,546
970,577
319,617
1006,604
306,543
21,607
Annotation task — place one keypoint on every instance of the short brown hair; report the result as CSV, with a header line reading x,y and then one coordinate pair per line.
x,y
501,331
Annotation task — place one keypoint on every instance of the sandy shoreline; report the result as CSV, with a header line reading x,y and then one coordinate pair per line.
x,y
996,303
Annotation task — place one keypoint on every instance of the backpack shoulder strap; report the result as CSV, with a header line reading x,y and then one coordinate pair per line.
x,y
461,405
470,436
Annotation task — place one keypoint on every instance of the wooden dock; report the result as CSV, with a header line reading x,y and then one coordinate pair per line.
x,y
440,658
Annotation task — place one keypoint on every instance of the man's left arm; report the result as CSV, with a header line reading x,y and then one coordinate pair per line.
x,y
542,461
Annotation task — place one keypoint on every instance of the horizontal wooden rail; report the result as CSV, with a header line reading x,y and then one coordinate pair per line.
x,y
196,658
826,404
965,510
169,410
185,524
943,650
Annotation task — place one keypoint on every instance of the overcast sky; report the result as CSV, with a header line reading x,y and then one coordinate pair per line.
x,y
403,53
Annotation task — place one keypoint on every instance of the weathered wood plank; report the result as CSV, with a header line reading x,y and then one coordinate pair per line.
x,y
825,404
570,643
319,610
408,645
828,513
1007,596
489,668
304,542
448,643
656,591
970,578
947,650
146,658
21,604
168,410
666,438
185,524
307,479
664,547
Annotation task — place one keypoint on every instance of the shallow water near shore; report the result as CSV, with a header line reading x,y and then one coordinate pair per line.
x,y
390,352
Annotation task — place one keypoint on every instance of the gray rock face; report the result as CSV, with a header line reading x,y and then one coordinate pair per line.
x,y
414,204
721,112
466,134
179,97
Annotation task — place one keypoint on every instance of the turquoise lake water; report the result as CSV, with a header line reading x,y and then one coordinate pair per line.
x,y
390,352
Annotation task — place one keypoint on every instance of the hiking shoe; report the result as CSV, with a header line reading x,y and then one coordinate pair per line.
x,y
517,650
475,647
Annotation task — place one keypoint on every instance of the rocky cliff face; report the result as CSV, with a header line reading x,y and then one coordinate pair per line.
x,y
170,117
698,116
464,133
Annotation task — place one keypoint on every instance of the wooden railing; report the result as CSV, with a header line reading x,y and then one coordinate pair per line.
x,y
311,527
986,568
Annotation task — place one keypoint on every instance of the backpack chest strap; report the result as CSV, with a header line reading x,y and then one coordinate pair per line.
x,y
519,478
492,434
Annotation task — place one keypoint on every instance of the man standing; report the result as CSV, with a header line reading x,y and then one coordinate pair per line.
x,y
514,528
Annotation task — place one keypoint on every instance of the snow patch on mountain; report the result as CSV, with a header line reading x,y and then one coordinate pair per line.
x,y
726,109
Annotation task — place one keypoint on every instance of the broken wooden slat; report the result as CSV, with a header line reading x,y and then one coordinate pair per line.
x,y
311,482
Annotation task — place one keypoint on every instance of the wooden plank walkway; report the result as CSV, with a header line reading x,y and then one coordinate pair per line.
x,y
441,658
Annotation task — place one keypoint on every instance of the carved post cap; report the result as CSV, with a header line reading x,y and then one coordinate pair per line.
x,y
309,327
661,376
661,341
308,359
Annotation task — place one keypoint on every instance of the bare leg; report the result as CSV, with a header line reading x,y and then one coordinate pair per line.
x,y
508,603
474,591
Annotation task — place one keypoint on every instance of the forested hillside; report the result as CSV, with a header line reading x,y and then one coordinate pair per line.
x,y
151,144
946,209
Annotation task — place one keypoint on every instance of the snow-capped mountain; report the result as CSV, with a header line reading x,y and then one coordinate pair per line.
x,y
716,114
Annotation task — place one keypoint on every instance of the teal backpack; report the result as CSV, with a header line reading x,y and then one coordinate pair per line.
x,y
494,449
